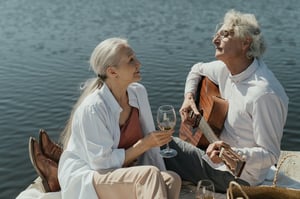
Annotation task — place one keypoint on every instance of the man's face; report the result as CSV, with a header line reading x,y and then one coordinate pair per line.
x,y
228,47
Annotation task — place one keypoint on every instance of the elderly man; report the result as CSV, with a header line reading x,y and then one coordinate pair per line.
x,y
257,110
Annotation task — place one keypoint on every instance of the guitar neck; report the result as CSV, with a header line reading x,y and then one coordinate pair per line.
x,y
207,130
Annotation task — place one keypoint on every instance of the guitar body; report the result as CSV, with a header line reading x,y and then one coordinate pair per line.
x,y
214,110
210,122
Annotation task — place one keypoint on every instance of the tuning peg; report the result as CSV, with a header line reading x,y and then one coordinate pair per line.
x,y
244,157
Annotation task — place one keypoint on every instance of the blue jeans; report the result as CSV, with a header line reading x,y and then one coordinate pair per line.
x,y
191,167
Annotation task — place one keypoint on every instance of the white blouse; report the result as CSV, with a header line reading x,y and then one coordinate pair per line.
x,y
93,145
258,107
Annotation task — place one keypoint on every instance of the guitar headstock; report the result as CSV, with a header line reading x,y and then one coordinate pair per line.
x,y
234,161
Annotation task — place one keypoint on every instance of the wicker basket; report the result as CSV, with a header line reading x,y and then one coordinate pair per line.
x,y
237,191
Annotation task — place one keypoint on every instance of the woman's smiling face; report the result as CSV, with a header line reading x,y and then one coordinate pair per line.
x,y
128,68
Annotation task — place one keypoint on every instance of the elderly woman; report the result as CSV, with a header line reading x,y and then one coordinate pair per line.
x,y
111,147
257,110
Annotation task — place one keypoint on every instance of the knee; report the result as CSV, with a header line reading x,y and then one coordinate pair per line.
x,y
175,176
174,179
150,170
148,174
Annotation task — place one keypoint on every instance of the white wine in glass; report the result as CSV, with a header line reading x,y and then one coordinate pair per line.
x,y
166,120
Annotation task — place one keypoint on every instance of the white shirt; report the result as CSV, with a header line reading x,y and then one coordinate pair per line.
x,y
93,145
258,107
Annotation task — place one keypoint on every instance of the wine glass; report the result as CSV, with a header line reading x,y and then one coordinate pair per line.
x,y
166,120
205,189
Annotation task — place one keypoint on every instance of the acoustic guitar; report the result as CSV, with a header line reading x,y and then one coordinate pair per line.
x,y
213,111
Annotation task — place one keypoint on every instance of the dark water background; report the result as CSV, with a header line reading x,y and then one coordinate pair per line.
x,y
45,47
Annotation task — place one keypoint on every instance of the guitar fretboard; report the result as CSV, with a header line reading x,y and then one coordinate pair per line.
x,y
207,131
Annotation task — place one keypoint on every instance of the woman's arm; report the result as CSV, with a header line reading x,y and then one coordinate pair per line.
x,y
153,139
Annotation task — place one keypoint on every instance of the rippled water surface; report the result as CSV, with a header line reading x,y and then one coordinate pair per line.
x,y
45,47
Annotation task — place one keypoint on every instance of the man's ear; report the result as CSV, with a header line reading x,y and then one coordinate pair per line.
x,y
247,42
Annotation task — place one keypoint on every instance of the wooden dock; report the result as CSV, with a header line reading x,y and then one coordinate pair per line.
x,y
289,168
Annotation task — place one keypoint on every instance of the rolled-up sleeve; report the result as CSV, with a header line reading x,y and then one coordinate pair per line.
x,y
99,142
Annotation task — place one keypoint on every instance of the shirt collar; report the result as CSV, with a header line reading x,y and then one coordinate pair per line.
x,y
246,73
132,96
110,99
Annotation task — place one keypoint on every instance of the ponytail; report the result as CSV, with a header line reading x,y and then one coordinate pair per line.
x,y
87,88
104,55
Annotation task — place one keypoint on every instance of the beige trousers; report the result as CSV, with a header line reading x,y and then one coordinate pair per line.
x,y
138,182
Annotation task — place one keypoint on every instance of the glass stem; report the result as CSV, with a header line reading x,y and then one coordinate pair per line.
x,y
168,147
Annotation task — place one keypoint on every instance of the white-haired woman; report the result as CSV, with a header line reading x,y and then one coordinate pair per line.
x,y
257,110
111,147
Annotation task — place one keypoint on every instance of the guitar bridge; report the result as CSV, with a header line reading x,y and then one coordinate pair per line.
x,y
234,162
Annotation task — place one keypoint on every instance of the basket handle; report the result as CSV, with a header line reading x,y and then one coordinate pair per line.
x,y
229,191
279,166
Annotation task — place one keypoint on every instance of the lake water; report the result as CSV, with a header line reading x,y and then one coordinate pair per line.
x,y
45,47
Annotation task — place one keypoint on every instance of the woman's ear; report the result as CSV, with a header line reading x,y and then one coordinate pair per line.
x,y
111,72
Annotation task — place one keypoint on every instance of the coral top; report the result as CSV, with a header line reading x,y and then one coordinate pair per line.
x,y
131,130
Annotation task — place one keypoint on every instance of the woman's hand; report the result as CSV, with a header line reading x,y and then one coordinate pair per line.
x,y
213,151
153,139
187,106
158,138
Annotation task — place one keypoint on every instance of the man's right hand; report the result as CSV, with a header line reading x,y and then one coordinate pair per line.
x,y
187,106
